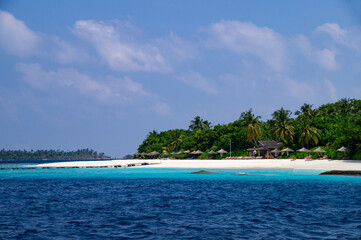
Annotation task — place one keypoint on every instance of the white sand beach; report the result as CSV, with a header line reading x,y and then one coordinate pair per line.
x,y
298,164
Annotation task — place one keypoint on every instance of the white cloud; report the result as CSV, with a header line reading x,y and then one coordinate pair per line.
x,y
198,81
348,37
117,44
334,30
111,91
332,89
324,58
65,52
15,37
161,108
247,38
297,89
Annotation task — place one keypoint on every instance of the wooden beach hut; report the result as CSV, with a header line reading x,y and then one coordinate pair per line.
x,y
265,148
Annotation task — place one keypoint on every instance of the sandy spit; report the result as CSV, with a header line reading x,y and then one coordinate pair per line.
x,y
299,164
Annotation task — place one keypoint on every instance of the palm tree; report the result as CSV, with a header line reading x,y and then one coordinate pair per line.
x,y
309,135
345,106
252,125
282,124
199,123
307,111
175,137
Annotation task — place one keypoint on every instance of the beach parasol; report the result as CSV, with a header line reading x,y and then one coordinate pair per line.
x,y
276,151
154,153
343,149
212,152
319,150
165,153
136,154
303,150
252,149
287,150
222,152
198,152
180,153
187,152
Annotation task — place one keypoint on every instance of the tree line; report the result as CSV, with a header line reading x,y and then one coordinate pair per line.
x,y
50,154
329,126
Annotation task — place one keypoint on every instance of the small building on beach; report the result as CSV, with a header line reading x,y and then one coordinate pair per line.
x,y
265,147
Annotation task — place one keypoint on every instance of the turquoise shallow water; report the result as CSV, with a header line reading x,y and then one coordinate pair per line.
x,y
150,203
172,173
162,173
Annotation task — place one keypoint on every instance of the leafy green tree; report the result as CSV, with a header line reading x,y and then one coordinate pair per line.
x,y
307,111
309,135
252,124
283,128
199,123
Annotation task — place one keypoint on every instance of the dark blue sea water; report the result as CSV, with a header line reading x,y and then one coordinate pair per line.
x,y
145,203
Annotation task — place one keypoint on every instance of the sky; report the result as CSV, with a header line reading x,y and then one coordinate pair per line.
x,y
102,74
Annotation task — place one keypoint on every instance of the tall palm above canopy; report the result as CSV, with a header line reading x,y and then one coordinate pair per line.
x,y
252,125
199,123
283,128
306,111
345,106
309,135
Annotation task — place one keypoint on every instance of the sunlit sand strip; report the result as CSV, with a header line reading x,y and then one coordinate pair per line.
x,y
299,164
112,163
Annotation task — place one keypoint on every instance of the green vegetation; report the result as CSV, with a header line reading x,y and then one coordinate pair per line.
x,y
330,126
50,154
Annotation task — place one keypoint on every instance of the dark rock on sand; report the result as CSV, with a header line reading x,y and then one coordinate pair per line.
x,y
339,172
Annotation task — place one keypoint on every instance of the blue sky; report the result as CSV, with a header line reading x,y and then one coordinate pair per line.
x,y
102,74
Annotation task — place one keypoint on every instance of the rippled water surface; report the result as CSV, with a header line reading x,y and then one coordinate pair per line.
x,y
173,204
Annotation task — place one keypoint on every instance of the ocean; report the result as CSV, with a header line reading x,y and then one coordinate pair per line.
x,y
150,203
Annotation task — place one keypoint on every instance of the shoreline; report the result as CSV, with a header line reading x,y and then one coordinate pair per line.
x,y
286,164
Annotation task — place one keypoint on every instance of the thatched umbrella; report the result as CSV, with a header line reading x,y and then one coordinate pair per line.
x,y
180,153
276,152
319,150
287,150
303,150
136,154
222,152
154,153
187,152
343,149
212,152
143,154
193,153
198,152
